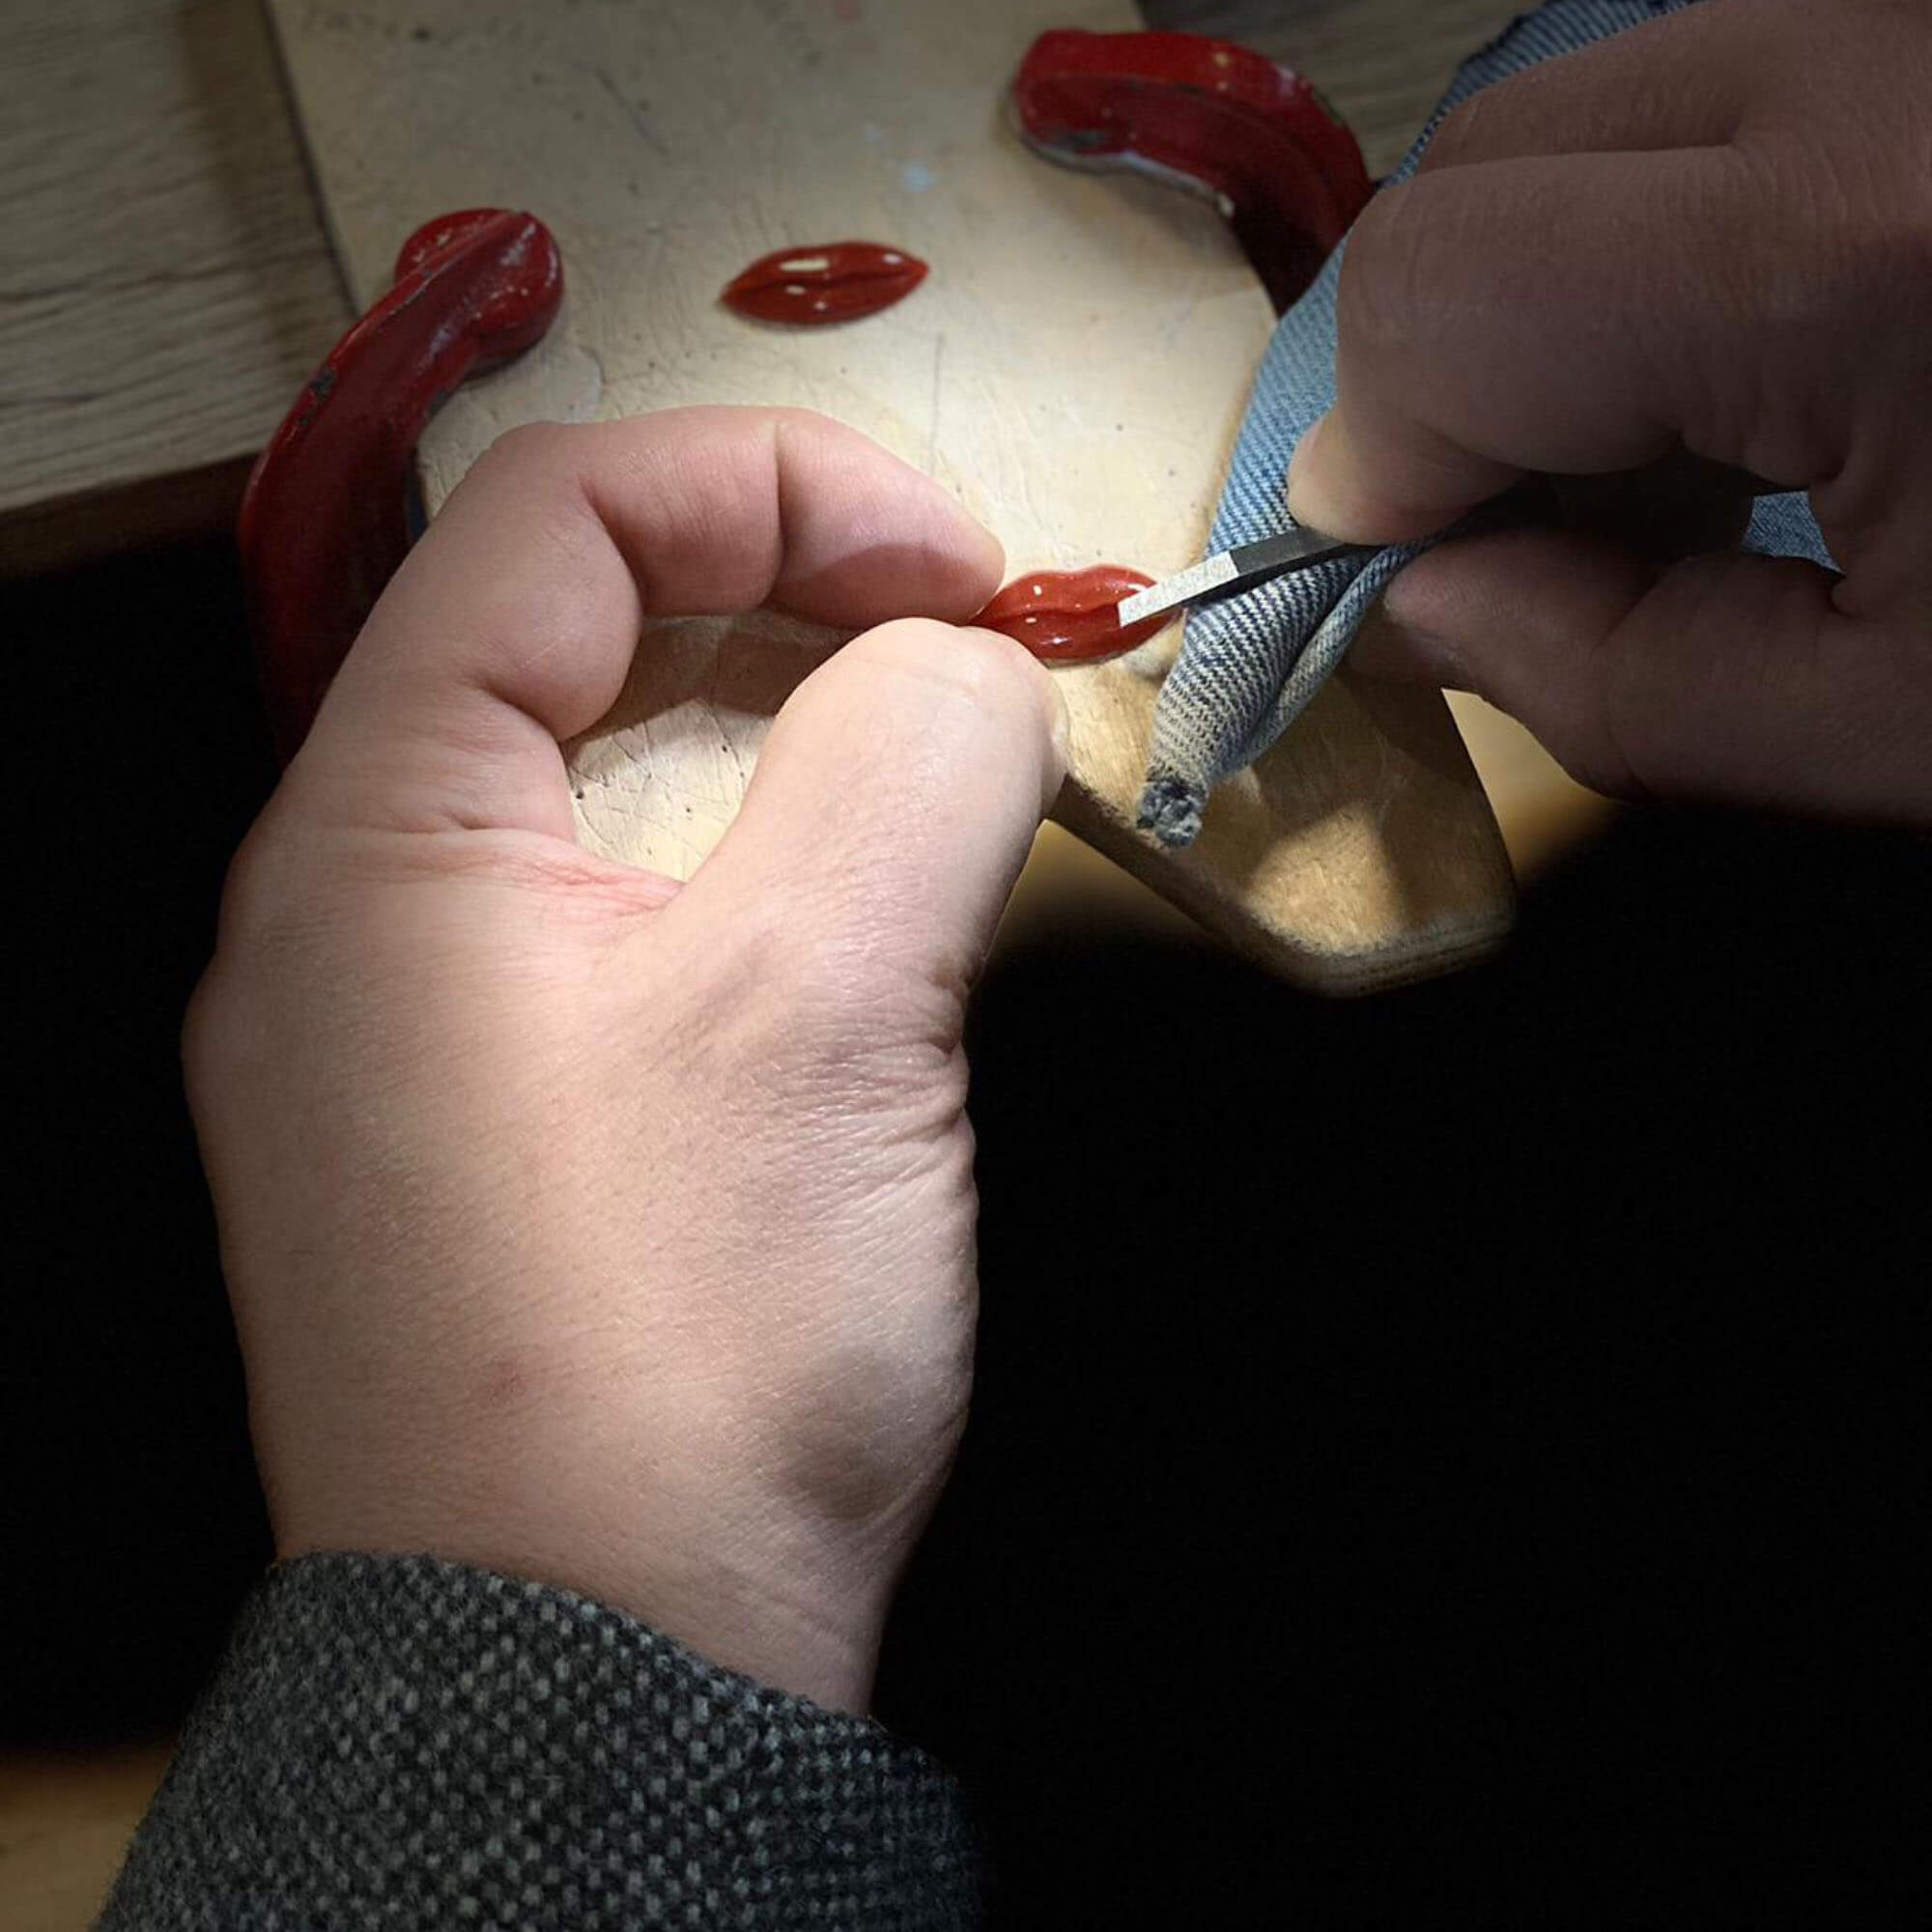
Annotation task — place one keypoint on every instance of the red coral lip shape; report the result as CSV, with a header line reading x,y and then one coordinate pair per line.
x,y
1067,616
825,282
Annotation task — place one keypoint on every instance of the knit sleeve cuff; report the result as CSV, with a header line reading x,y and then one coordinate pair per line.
x,y
401,1741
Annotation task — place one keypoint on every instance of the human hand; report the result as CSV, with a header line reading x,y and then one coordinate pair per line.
x,y
1680,264
580,1225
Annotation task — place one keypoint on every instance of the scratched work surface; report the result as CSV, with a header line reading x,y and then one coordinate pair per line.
x,y
1073,370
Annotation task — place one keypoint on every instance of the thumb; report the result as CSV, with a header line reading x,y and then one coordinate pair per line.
x,y
1386,488
892,806
1726,677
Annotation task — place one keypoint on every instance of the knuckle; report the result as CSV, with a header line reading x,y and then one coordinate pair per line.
x,y
528,446
1454,142
527,462
201,1031
254,894
280,895
1910,237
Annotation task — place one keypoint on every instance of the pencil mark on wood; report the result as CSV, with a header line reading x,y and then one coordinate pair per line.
x,y
632,111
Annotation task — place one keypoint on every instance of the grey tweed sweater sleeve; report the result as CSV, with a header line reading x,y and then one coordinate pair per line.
x,y
396,1742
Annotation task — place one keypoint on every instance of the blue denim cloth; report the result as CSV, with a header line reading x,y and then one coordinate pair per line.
x,y
1249,664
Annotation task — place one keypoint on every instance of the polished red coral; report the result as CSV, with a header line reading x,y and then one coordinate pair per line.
x,y
1255,135
326,519
1069,616
827,281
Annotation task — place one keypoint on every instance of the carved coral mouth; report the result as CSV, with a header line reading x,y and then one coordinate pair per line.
x,y
826,281
1069,616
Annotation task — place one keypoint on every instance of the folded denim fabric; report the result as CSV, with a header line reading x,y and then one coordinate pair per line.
x,y
1249,664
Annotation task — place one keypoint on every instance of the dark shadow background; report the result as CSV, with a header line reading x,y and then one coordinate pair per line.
x,y
1455,1459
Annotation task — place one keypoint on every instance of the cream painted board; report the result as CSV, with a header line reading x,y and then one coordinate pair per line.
x,y
1074,371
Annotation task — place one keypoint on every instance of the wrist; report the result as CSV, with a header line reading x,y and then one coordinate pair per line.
x,y
797,1605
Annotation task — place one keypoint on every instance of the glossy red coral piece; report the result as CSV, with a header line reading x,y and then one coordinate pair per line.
x,y
827,281
326,519
1067,616
1255,135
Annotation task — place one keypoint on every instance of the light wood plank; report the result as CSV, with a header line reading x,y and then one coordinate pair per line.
x,y
66,1821
165,287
